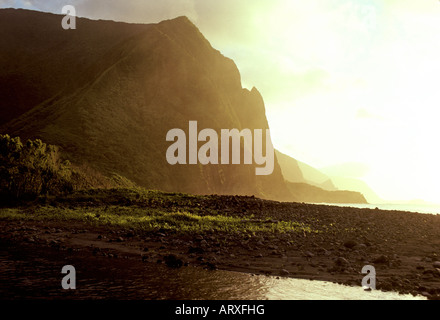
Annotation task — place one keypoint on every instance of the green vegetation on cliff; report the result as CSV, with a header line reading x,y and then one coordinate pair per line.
x,y
30,169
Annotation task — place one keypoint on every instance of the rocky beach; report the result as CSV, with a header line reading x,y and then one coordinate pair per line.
x,y
327,243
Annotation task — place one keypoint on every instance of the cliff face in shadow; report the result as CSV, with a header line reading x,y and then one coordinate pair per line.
x,y
300,172
308,184
312,194
108,93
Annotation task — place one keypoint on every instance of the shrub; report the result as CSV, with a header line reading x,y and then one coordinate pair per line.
x,y
31,169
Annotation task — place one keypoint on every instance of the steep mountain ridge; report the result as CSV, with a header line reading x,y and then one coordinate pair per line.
x,y
310,185
299,172
127,95
108,92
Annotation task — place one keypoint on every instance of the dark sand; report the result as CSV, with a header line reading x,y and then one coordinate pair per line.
x,y
403,247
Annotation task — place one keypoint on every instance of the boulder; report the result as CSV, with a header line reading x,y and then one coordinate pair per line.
x,y
173,261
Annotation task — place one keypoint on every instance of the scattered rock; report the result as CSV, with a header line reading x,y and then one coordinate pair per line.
x,y
203,243
341,262
211,266
350,244
173,261
381,260
196,250
129,235
386,286
284,272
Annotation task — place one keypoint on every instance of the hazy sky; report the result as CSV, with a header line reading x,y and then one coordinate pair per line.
x,y
344,81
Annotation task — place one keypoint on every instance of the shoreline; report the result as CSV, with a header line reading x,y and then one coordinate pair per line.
x,y
402,246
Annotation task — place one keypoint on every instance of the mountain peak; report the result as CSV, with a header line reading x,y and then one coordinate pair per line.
x,y
109,93
183,19
183,29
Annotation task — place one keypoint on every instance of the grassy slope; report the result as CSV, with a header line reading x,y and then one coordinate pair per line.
x,y
143,210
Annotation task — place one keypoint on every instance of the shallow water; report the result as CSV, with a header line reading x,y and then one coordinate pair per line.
x,y
36,274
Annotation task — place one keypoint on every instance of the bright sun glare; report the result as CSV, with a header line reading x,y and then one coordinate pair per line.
x,y
354,81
